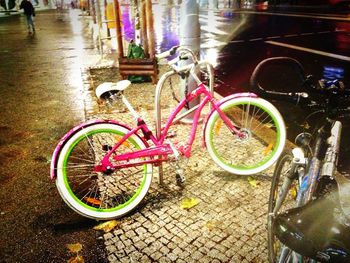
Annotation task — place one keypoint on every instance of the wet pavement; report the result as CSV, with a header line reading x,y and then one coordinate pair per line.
x,y
40,99
47,89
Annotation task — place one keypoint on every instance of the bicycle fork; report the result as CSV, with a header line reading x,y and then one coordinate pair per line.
x,y
329,161
331,158
298,160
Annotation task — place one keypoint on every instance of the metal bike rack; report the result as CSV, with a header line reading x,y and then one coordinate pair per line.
x,y
158,116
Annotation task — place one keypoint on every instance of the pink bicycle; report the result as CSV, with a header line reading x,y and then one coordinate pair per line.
x,y
103,168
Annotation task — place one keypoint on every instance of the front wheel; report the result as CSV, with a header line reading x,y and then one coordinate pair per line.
x,y
280,200
264,139
95,194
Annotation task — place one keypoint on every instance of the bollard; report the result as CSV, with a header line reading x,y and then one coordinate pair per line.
x,y
190,38
118,29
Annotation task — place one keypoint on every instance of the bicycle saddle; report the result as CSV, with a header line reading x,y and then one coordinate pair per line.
x,y
344,193
106,89
318,230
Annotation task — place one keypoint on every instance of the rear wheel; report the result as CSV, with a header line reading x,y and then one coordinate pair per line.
x,y
95,194
264,139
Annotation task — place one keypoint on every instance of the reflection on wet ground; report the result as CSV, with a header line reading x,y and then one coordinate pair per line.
x,y
40,99
233,42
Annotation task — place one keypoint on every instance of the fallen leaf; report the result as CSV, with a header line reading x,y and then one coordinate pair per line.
x,y
252,182
293,192
107,226
75,248
268,149
125,143
77,259
93,201
306,126
218,127
211,224
188,203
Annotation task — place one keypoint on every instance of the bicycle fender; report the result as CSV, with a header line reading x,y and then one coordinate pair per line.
x,y
219,103
69,134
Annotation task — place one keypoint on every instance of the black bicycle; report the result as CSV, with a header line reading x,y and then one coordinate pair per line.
x,y
309,204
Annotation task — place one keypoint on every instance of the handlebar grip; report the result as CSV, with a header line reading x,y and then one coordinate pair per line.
x,y
294,97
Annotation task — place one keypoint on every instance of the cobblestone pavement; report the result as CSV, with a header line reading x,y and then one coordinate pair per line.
x,y
227,225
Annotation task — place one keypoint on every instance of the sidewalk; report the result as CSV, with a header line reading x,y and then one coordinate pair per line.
x,y
227,225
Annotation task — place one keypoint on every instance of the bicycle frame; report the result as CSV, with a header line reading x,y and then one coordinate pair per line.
x,y
323,163
325,158
160,148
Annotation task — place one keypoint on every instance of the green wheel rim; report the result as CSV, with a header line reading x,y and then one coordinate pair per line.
x,y
70,191
265,160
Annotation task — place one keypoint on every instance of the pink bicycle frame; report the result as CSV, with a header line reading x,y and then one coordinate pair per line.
x,y
164,149
160,149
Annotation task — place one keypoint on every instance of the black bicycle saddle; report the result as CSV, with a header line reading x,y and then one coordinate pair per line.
x,y
344,193
318,230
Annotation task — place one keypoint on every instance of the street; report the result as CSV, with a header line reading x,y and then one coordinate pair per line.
x,y
315,41
236,41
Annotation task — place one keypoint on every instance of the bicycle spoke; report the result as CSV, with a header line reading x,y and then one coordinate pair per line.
x,y
79,177
85,196
252,117
137,171
263,140
78,166
83,159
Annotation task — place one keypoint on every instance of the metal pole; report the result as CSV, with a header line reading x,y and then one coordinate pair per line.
x,y
93,10
190,38
144,27
105,18
136,11
99,23
88,6
118,29
150,30
158,116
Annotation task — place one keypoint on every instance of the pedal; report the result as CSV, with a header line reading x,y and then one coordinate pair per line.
x,y
175,151
180,177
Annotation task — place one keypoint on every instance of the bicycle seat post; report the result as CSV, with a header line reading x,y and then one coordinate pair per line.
x,y
130,107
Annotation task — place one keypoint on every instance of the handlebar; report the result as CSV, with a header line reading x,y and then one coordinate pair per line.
x,y
167,53
294,97
192,68
334,88
184,54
